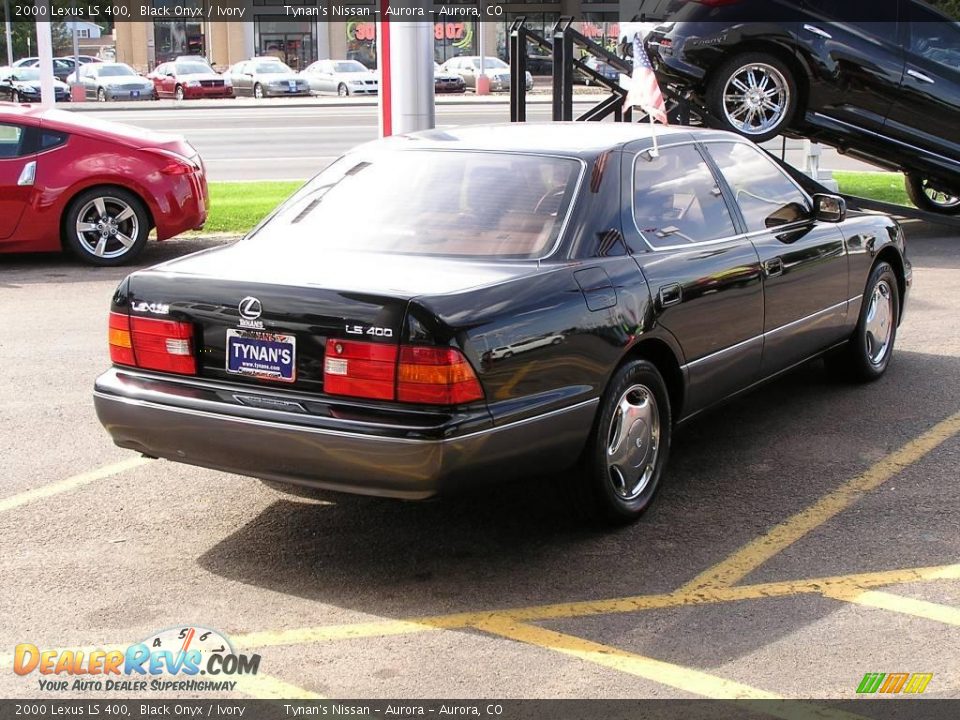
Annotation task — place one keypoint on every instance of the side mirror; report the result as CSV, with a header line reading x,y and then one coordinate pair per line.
x,y
829,208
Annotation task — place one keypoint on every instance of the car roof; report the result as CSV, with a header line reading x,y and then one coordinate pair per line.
x,y
555,138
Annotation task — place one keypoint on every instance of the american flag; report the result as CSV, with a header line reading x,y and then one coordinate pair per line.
x,y
644,90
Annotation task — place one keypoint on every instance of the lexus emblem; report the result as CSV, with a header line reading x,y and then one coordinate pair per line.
x,y
250,308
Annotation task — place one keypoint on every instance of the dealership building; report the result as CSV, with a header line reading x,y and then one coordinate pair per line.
x,y
273,29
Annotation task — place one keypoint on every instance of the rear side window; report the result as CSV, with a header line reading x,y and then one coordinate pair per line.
x,y
421,202
676,199
11,140
933,38
767,198
50,139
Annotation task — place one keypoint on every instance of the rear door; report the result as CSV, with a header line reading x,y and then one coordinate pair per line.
x,y
805,275
929,103
17,174
704,275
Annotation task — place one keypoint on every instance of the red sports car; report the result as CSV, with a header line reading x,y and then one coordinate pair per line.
x,y
96,188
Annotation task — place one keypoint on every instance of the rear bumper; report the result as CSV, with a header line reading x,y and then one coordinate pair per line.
x,y
180,422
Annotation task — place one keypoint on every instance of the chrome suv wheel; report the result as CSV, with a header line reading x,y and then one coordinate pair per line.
x,y
932,196
754,95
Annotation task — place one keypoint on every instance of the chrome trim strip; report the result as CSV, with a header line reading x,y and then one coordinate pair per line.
x,y
724,351
770,332
886,137
326,431
805,319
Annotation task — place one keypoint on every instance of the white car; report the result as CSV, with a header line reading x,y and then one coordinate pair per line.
x,y
341,77
468,67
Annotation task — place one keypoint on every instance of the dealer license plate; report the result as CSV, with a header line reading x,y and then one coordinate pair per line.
x,y
262,354
292,86
134,93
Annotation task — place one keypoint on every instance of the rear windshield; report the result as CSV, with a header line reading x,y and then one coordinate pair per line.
x,y
478,204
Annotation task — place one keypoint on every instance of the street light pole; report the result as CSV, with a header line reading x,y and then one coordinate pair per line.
x,y
6,19
45,51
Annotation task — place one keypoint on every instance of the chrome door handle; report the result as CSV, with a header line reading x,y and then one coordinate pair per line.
x,y
817,31
921,77
670,294
773,267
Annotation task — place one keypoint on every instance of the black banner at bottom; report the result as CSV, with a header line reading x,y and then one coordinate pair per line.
x,y
869,709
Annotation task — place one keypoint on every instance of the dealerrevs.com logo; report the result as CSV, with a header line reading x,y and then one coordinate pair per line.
x,y
182,659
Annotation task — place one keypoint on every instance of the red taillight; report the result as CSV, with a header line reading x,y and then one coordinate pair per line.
x,y
176,164
121,344
360,369
152,344
414,374
436,376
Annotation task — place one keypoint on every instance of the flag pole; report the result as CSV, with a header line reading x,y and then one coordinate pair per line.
x,y
655,150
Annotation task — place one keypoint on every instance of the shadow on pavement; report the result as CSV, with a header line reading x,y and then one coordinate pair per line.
x,y
734,474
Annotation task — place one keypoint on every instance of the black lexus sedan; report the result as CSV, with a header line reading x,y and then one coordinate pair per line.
x,y
574,296
878,79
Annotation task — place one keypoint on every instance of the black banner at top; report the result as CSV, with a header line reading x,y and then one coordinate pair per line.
x,y
727,11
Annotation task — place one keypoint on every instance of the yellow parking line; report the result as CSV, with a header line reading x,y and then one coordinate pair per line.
x,y
898,604
637,603
70,483
267,687
758,551
676,676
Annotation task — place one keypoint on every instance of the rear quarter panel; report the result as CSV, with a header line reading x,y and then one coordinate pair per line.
x,y
85,162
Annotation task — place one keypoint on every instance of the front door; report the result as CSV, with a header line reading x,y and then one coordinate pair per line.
x,y
16,177
704,275
804,261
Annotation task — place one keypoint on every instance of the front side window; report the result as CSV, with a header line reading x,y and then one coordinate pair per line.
x,y
676,199
11,140
766,196
422,202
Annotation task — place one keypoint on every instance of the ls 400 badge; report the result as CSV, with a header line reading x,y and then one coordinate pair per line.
x,y
371,330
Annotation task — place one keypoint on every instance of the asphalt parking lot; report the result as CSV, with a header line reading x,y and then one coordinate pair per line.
x,y
808,534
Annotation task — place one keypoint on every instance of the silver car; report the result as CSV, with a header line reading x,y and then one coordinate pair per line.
x,y
113,81
468,67
341,77
266,77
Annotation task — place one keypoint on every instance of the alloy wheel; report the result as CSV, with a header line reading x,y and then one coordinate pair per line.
x,y
107,227
756,98
879,322
633,442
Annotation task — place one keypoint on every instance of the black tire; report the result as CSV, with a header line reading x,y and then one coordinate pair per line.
x,y
134,226
101,95
860,359
343,90
596,491
779,76
931,198
178,93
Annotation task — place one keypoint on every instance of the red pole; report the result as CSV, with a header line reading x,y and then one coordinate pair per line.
x,y
385,86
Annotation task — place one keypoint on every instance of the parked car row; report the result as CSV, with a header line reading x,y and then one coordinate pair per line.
x,y
22,84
